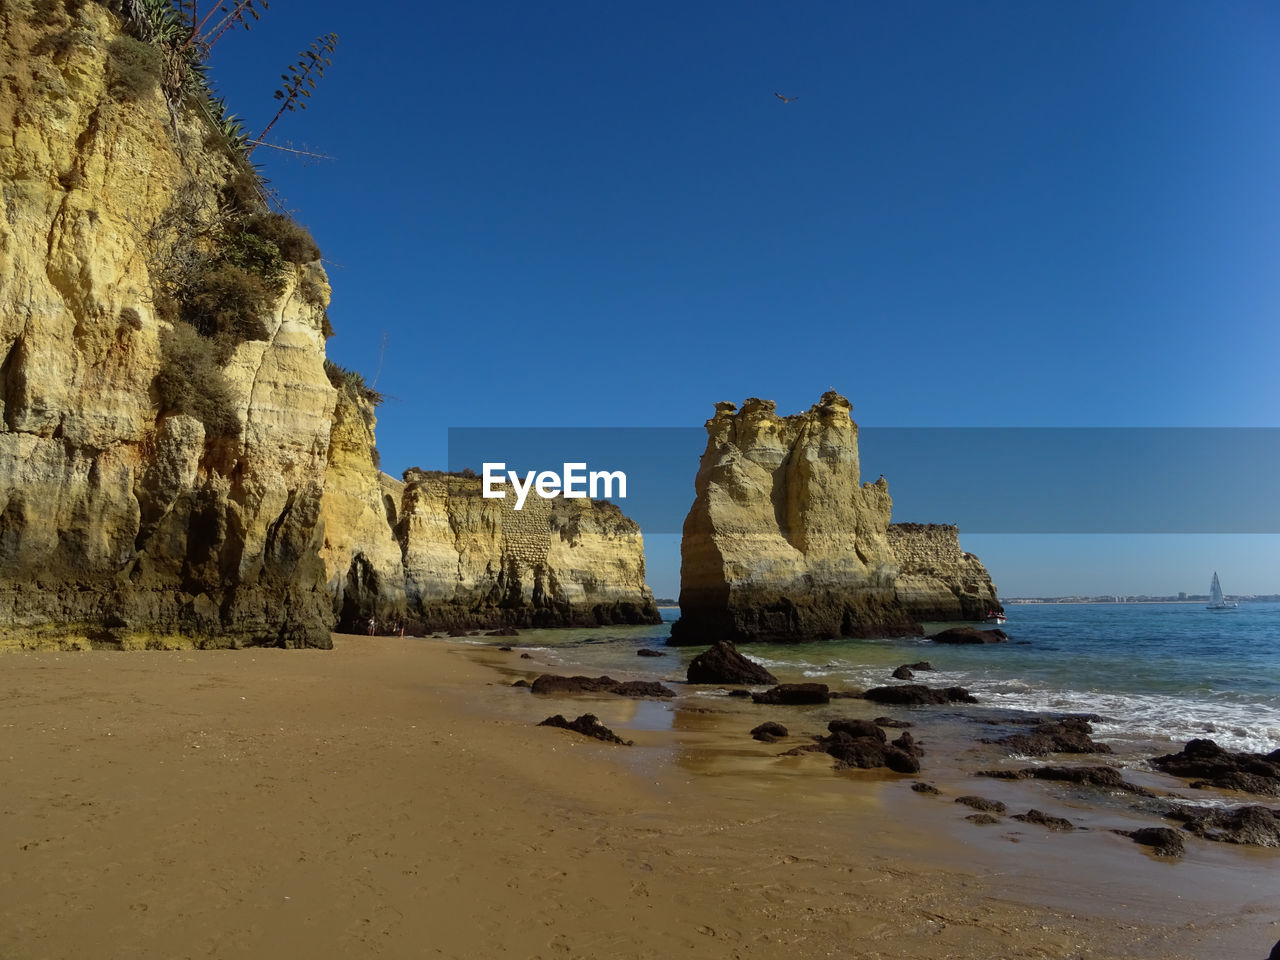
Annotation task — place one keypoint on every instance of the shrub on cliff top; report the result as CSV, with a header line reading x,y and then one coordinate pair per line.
x,y
227,301
134,69
351,382
293,241
191,382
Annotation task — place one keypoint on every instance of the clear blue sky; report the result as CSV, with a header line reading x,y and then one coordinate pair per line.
x,y
988,214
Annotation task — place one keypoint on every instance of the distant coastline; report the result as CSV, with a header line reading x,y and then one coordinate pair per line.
x,y
1188,599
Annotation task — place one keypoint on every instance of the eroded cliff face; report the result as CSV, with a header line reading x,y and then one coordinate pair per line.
x,y
473,562
360,507
170,479
783,543
120,521
936,579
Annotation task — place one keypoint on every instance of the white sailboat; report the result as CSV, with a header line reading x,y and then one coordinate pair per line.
x,y
1216,602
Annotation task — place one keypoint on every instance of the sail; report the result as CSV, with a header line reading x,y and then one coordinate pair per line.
x,y
1215,590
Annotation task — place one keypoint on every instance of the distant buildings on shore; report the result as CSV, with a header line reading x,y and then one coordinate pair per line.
x,y
1144,598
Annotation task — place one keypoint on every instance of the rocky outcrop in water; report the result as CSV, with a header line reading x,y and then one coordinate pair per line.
x,y
1209,765
936,579
783,543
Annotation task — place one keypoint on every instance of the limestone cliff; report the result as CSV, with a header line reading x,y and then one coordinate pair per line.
x,y
475,562
782,542
124,517
360,508
177,468
936,579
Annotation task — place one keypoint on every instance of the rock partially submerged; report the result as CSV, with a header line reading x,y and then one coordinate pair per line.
x,y
968,635
794,694
1107,778
1069,735
588,725
890,722
903,673
1045,820
1163,841
550,683
646,652
982,804
769,732
916,694
724,664
1213,766
1255,825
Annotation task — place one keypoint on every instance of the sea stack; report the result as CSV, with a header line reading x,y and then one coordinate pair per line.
x,y
783,543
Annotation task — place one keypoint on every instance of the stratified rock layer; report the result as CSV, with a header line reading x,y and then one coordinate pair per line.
x,y
783,543
362,557
476,562
936,579
126,523
119,523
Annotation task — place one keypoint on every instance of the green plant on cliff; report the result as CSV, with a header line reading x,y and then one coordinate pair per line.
x,y
134,69
352,382
191,382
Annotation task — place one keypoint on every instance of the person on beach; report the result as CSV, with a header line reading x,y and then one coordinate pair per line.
x,y
373,625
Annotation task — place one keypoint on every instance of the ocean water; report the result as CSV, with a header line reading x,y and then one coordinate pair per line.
x,y
1160,674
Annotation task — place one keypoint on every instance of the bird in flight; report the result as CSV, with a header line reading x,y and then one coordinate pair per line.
x,y
784,99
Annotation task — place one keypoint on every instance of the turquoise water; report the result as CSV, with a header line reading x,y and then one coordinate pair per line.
x,y
1159,673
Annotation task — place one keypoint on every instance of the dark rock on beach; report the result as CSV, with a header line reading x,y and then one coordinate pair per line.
x,y
646,652
1069,735
1108,778
869,751
968,635
925,788
643,689
983,804
890,722
1045,820
724,664
903,673
982,819
769,732
521,683
505,649
915,694
857,728
1163,841
1254,825
794,694
588,725
1213,766
550,683
922,665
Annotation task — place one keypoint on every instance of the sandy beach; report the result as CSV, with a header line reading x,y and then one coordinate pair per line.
x,y
393,798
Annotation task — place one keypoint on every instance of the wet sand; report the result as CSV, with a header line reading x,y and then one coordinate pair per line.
x,y
392,798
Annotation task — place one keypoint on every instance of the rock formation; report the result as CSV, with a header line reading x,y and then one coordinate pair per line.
x,y
783,542
360,508
178,465
936,579
123,518
475,562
